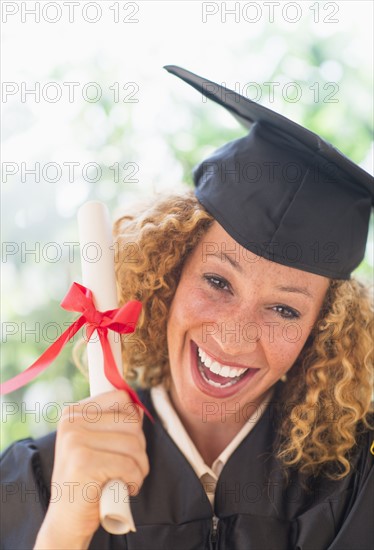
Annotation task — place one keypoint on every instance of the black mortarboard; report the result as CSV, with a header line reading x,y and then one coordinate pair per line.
x,y
282,192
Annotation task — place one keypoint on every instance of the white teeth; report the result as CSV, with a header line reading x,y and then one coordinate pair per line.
x,y
218,368
215,367
225,371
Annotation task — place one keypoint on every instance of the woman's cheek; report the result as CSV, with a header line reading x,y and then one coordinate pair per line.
x,y
198,305
285,348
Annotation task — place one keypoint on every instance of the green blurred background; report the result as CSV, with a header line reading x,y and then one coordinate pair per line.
x,y
159,138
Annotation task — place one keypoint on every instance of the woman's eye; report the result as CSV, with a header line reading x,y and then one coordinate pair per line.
x,y
286,312
218,283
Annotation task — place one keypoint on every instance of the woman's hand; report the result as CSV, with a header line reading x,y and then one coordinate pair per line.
x,y
98,439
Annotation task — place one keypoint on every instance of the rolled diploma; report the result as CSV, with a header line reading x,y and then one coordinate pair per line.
x,y
97,256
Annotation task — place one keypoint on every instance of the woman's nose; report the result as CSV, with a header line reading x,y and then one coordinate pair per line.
x,y
232,337
238,337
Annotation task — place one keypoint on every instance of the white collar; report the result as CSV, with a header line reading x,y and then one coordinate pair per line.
x,y
179,435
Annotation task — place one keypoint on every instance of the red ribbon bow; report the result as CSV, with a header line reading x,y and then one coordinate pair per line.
x,y
121,320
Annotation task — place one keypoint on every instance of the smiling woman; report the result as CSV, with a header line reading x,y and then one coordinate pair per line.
x,y
236,298
253,355
205,311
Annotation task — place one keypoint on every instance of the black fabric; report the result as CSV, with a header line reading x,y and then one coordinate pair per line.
x,y
283,192
255,509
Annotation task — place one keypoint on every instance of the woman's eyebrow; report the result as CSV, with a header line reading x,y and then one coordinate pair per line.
x,y
298,289
222,256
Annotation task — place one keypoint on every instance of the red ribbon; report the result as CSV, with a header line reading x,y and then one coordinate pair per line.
x,y
121,320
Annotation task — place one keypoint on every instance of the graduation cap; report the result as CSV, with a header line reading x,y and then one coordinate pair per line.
x,y
282,192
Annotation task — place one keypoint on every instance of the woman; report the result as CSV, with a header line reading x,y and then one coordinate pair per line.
x,y
254,350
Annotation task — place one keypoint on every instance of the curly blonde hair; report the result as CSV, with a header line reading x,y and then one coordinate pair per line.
x,y
151,249
328,390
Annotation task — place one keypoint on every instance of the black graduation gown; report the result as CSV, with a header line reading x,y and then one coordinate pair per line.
x,y
255,509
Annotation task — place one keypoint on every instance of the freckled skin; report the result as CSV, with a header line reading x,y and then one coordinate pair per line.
x,y
211,299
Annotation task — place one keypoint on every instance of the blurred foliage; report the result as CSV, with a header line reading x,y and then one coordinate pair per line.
x,y
31,299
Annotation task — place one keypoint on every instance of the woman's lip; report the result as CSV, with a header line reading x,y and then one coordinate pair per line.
x,y
213,391
223,362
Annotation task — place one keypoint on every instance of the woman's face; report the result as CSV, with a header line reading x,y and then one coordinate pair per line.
x,y
237,324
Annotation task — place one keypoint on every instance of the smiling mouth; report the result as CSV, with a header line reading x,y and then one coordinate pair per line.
x,y
219,375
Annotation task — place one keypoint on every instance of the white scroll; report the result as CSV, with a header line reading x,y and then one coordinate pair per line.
x,y
98,275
